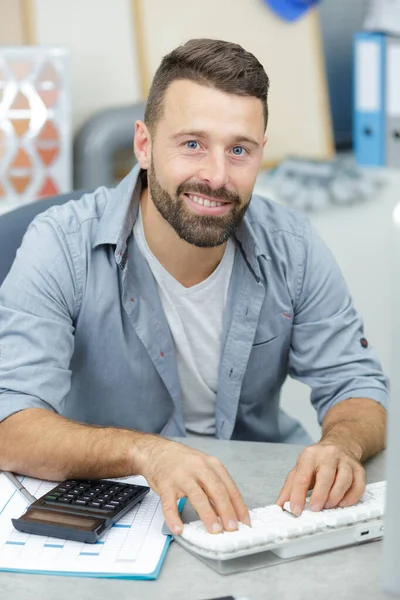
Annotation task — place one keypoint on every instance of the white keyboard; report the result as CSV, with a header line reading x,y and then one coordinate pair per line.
x,y
287,536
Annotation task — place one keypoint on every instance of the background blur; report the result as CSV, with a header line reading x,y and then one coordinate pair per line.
x,y
104,69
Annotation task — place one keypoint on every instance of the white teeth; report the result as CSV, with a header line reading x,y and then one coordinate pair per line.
x,y
205,202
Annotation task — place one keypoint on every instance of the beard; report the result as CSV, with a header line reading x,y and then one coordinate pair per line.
x,y
203,231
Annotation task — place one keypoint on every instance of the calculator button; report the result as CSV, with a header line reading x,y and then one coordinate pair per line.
x,y
80,502
132,494
64,500
109,506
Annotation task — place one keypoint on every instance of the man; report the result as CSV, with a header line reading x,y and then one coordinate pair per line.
x,y
177,304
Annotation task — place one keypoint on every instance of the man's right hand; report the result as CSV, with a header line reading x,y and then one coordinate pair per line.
x,y
175,471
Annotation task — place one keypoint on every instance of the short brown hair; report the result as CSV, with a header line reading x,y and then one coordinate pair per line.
x,y
214,63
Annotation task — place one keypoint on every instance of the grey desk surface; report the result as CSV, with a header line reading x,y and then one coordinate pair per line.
x,y
259,469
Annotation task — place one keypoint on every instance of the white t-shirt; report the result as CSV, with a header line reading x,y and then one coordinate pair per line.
x,y
194,316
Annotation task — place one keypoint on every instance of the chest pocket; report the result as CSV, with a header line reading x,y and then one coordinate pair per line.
x,y
278,326
267,366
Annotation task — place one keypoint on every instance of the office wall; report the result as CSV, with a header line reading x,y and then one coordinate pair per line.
x,y
99,34
13,22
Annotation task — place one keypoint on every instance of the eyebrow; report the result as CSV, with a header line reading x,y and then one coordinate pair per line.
x,y
203,134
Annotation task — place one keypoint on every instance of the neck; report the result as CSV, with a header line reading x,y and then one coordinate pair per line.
x,y
187,263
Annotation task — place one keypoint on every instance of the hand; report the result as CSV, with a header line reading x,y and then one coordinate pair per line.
x,y
335,475
175,471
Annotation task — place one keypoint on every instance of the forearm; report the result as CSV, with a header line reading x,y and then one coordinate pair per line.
x,y
357,425
42,444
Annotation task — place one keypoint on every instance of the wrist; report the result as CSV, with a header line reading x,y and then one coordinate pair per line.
x,y
146,447
350,446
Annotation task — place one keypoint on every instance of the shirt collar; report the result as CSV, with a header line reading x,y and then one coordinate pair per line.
x,y
121,211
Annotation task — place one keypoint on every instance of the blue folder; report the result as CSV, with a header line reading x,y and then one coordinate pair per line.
x,y
369,129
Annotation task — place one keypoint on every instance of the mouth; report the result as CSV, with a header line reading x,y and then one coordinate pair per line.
x,y
206,205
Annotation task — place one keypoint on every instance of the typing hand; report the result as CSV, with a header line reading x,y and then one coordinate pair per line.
x,y
175,471
335,475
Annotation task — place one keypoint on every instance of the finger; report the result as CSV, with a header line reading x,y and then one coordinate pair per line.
x,y
284,494
240,509
303,479
217,492
204,509
169,504
356,490
342,483
324,480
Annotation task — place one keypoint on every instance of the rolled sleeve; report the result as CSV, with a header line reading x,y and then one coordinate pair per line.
x,y
328,350
38,306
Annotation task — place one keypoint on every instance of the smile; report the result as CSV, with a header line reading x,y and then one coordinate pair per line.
x,y
207,206
205,201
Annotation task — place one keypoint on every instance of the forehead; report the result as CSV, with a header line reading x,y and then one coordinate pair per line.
x,y
187,103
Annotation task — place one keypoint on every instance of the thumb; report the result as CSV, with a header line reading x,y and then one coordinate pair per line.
x,y
171,514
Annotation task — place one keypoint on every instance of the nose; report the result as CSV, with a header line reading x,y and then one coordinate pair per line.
x,y
214,170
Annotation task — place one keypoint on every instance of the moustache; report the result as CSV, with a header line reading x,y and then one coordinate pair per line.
x,y
200,188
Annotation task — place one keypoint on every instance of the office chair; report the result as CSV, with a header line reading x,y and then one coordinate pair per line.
x,y
14,224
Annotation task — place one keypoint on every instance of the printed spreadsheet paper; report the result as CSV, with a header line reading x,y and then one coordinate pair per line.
x,y
134,548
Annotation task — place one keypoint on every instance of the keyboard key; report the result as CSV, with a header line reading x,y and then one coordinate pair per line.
x,y
289,536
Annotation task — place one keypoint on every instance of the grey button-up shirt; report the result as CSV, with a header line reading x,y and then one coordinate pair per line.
x,y
83,332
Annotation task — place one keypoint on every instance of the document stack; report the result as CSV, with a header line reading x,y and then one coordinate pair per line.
x,y
376,122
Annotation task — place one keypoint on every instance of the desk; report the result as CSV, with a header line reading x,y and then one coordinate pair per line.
x,y
259,469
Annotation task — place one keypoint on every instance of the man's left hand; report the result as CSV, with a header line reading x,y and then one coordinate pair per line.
x,y
335,475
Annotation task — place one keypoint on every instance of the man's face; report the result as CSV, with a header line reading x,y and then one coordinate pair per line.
x,y
206,151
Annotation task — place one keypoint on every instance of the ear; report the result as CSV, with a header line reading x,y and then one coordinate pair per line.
x,y
265,140
142,145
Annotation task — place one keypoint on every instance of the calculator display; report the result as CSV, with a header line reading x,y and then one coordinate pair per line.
x,y
61,518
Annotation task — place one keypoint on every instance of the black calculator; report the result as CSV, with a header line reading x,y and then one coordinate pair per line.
x,y
80,509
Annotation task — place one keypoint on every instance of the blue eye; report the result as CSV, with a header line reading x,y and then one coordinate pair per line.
x,y
238,150
192,145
